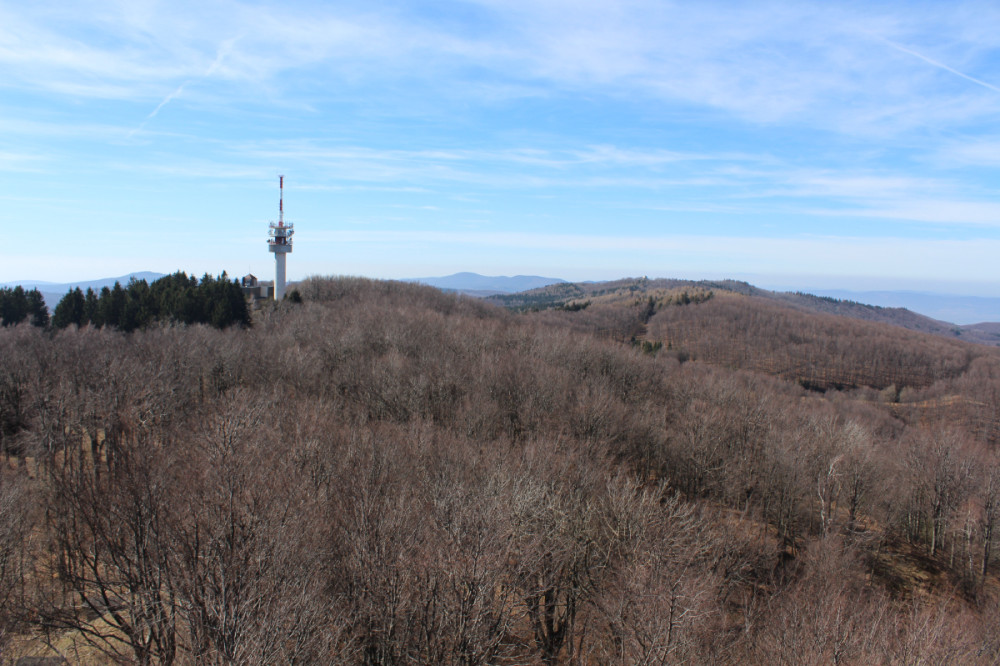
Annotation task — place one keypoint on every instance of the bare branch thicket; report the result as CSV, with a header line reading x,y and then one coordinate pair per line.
x,y
562,550
467,604
989,516
442,482
111,549
247,540
824,614
377,525
661,598
940,478
19,511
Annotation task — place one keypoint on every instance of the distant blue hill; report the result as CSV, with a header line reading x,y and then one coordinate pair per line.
x,y
473,283
53,292
963,310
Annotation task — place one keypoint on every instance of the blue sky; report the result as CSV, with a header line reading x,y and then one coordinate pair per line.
x,y
793,144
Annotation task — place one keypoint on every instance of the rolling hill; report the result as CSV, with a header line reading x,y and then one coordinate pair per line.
x,y
53,292
563,294
386,473
483,285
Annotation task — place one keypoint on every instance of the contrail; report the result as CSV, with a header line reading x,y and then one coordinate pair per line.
x,y
940,65
166,99
224,49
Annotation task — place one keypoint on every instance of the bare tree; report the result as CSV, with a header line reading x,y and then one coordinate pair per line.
x,y
662,591
111,549
990,515
245,542
824,615
942,479
18,513
562,549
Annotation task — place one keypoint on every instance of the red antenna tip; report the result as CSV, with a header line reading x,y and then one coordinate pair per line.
x,y
281,201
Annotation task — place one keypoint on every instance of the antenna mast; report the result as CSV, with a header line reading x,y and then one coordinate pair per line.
x,y
280,242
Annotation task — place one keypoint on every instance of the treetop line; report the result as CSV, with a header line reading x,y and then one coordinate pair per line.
x,y
179,298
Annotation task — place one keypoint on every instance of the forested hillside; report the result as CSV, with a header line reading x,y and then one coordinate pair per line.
x,y
573,294
386,474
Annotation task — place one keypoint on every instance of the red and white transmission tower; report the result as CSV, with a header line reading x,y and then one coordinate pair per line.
x,y
280,242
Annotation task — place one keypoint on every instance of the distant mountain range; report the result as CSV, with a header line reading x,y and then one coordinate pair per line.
x,y
954,309
483,285
53,292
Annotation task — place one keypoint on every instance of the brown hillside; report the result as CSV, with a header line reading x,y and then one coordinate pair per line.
x,y
559,295
387,474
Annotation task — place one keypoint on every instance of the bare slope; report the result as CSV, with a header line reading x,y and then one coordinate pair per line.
x,y
560,295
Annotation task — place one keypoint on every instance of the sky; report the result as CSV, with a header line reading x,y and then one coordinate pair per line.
x,y
792,144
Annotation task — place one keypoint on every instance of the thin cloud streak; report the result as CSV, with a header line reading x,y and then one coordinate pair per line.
x,y
685,256
644,49
939,65
224,50
748,245
704,184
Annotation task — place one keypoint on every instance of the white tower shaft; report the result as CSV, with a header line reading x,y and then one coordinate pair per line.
x,y
279,276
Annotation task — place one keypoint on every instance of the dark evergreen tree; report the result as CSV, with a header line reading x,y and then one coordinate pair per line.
x,y
177,296
115,314
70,309
13,306
37,310
104,307
91,308
139,308
216,301
221,314
239,313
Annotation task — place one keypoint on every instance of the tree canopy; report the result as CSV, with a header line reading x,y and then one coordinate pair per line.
x,y
17,305
213,300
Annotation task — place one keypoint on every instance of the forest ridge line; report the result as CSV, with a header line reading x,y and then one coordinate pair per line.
x,y
980,316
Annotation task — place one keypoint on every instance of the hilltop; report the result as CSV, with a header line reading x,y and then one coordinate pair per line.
x,y
570,294
474,284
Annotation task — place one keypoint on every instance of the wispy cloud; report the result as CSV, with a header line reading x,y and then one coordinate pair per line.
x,y
634,179
817,255
939,65
978,151
20,162
558,114
949,212
224,49
817,65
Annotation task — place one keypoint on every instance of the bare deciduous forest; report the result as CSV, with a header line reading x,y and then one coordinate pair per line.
x,y
386,474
